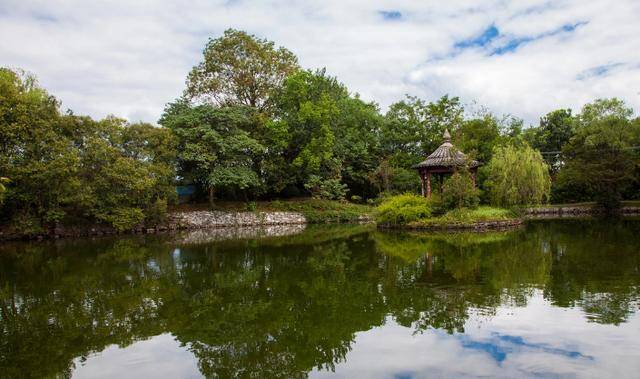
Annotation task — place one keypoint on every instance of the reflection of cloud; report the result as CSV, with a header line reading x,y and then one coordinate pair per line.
x,y
500,346
537,340
158,357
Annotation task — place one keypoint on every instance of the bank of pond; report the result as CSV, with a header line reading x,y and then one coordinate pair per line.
x,y
551,298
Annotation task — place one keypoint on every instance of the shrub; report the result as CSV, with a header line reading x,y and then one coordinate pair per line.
x,y
403,209
460,192
330,189
123,218
517,176
251,206
156,213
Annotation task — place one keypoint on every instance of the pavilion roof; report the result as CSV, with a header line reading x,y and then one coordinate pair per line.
x,y
446,156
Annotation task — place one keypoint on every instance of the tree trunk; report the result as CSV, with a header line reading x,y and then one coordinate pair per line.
x,y
211,197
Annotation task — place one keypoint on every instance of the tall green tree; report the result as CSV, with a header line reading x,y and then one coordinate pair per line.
x,y
240,69
332,135
215,148
600,161
415,127
555,130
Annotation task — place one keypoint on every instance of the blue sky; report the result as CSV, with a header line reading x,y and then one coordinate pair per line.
x,y
523,57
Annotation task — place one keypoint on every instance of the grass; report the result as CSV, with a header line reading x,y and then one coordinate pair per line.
x,y
319,211
465,216
469,216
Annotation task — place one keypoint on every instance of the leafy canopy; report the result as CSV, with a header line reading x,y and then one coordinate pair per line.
x,y
517,175
240,69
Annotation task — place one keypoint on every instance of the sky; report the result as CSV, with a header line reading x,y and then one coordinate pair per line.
x,y
523,58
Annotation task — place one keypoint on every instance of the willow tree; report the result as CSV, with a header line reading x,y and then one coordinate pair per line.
x,y
517,175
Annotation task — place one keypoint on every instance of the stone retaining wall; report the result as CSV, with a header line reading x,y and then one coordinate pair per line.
x,y
481,226
577,211
217,219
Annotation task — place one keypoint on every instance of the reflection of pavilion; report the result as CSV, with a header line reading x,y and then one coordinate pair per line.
x,y
445,160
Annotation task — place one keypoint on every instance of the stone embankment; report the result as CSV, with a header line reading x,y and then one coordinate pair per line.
x,y
573,211
480,226
215,219
194,220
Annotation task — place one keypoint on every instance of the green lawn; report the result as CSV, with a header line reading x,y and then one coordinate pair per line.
x,y
467,216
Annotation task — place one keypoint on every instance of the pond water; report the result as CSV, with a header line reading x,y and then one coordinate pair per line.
x,y
553,299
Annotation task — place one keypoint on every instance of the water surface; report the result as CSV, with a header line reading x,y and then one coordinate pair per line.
x,y
554,299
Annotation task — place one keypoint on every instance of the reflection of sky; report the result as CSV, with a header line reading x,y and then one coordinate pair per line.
x,y
158,357
533,341
538,340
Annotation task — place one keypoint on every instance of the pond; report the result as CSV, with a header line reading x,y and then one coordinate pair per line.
x,y
553,299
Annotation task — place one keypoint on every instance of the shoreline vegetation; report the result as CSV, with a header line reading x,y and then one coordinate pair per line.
x,y
300,212
253,126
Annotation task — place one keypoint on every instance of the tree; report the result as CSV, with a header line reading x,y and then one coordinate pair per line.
x,y
459,191
3,188
415,127
517,175
332,136
599,160
240,69
553,133
214,148
72,169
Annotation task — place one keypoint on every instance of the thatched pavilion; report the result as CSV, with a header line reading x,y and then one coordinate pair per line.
x,y
445,160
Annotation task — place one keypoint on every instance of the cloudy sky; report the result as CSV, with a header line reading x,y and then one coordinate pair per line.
x,y
525,57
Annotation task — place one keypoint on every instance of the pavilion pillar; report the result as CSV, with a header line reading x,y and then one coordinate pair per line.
x,y
428,183
473,177
422,182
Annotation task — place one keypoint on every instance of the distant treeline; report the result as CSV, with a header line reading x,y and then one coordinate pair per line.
x,y
251,124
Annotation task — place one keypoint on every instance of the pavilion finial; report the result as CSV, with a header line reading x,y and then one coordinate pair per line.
x,y
446,136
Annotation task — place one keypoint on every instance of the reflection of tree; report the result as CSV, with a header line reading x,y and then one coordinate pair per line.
x,y
595,266
282,306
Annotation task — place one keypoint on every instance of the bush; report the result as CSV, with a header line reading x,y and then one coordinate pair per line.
x,y
517,176
329,189
403,209
123,218
459,191
156,213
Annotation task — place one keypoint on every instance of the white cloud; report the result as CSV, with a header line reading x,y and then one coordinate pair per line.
x,y
131,58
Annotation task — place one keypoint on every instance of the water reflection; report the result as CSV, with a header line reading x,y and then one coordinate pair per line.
x,y
330,300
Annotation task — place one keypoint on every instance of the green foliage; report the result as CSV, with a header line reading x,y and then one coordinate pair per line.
x,y
600,163
240,69
67,168
415,127
554,131
156,213
403,209
321,211
216,148
330,189
517,176
482,213
412,129
3,189
477,137
459,191
123,218
332,135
